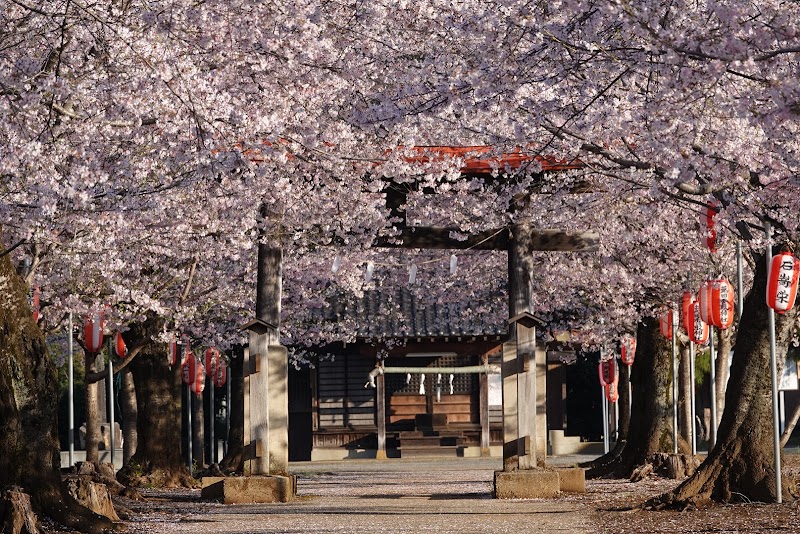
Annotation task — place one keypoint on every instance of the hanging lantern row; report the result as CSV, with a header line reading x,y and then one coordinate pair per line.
x,y
712,306
193,370
717,303
627,350
782,282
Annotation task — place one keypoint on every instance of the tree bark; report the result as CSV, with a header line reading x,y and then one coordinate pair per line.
x,y
791,422
741,465
648,431
198,431
92,438
127,399
28,402
722,368
158,459
686,389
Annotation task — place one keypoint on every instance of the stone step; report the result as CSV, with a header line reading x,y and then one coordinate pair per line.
x,y
432,441
414,452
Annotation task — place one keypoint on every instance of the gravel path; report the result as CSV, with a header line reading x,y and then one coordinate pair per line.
x,y
442,496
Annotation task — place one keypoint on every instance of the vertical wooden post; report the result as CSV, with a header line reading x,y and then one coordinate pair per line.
x,y
380,406
484,409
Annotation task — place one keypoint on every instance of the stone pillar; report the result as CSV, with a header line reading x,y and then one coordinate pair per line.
x,y
524,367
541,405
484,409
380,407
265,373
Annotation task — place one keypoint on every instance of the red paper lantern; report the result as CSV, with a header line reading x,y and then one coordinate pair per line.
x,y
612,391
697,329
607,369
713,237
93,334
666,320
212,360
199,383
716,303
221,374
120,349
628,350
782,282
189,368
687,301
172,351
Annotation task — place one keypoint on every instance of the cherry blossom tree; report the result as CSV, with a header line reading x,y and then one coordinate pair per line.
x,y
142,142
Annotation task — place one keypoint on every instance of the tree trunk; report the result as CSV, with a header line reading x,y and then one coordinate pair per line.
x,y
600,466
722,368
233,462
30,457
791,422
198,431
127,399
648,431
158,459
92,438
686,391
741,465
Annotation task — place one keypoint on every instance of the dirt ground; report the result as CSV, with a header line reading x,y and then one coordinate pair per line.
x,y
448,496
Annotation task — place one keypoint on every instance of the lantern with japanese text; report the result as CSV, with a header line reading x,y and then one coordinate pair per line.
x,y
716,303
612,391
212,361
199,383
667,319
782,282
189,369
696,328
607,369
172,351
93,334
120,349
221,374
627,350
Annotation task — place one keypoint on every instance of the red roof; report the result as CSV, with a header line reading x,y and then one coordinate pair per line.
x,y
477,163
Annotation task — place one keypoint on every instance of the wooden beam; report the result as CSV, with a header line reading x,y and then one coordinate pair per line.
x,y
495,239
